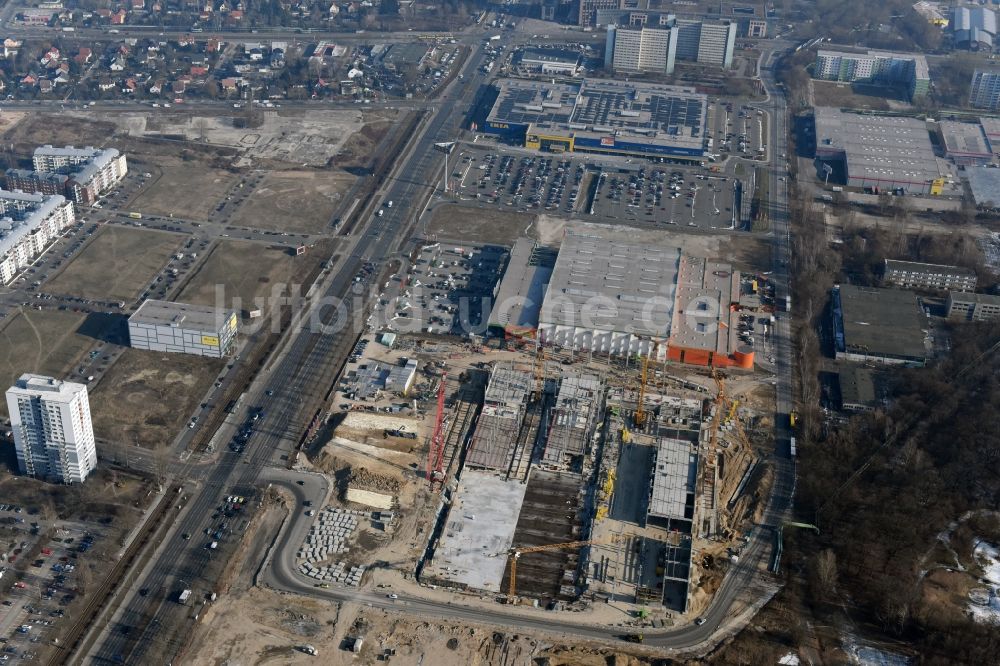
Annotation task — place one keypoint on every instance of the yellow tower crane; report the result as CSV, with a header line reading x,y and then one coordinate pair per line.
x,y
515,554
640,410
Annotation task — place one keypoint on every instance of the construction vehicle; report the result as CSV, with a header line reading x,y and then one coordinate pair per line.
x,y
515,554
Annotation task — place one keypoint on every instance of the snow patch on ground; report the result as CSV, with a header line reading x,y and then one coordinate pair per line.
x,y
988,557
790,659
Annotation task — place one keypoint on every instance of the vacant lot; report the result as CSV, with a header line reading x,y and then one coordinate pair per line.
x,y
479,225
844,95
59,130
187,190
48,342
294,201
147,397
117,264
244,272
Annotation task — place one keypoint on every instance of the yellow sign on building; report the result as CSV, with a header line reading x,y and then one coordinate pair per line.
x,y
210,340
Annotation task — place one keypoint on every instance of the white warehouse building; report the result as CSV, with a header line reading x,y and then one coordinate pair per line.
x,y
579,311
53,433
28,223
180,328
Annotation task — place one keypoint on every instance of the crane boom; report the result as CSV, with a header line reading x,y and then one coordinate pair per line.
x,y
435,453
515,554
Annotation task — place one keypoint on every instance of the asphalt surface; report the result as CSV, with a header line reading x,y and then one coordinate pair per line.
x,y
155,618
155,623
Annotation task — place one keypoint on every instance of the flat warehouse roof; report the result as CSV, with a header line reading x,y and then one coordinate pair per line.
x,y
522,289
704,293
882,321
964,138
561,56
181,315
608,285
673,478
642,112
985,185
878,147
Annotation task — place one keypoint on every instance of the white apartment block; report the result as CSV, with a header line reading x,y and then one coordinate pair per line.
x,y
637,48
53,434
28,224
91,171
984,92
880,67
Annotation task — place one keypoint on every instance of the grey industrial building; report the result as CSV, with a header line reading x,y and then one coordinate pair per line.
x,y
181,328
973,307
880,325
672,491
916,275
609,296
878,152
965,143
857,389
985,186
973,28
601,116
550,61
519,296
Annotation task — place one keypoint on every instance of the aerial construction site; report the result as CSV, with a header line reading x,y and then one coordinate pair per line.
x,y
600,472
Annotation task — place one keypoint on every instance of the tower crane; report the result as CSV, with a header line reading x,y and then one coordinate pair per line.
x,y
640,410
435,454
515,554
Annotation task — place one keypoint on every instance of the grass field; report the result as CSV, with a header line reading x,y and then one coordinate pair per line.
x,y
478,225
42,341
117,264
249,271
146,397
294,201
187,190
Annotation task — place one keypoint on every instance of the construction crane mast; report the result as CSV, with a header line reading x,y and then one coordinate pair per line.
x,y
435,454
640,410
515,554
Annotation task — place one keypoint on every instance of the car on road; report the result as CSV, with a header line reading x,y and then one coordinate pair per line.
x,y
186,536
392,595
699,621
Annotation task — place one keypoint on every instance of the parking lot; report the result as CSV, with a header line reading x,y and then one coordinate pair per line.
x,y
33,611
447,290
592,186
737,129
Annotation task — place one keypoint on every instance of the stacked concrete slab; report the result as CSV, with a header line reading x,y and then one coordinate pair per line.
x,y
330,535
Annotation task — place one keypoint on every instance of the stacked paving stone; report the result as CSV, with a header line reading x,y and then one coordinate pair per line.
x,y
329,535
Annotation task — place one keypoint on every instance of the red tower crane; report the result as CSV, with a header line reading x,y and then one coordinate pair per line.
x,y
435,454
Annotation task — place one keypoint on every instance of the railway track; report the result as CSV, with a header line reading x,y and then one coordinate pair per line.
x,y
73,638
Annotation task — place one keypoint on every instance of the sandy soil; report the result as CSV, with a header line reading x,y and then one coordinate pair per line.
x,y
246,273
203,188
146,397
294,201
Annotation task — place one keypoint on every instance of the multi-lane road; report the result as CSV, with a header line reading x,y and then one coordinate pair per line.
x,y
152,623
